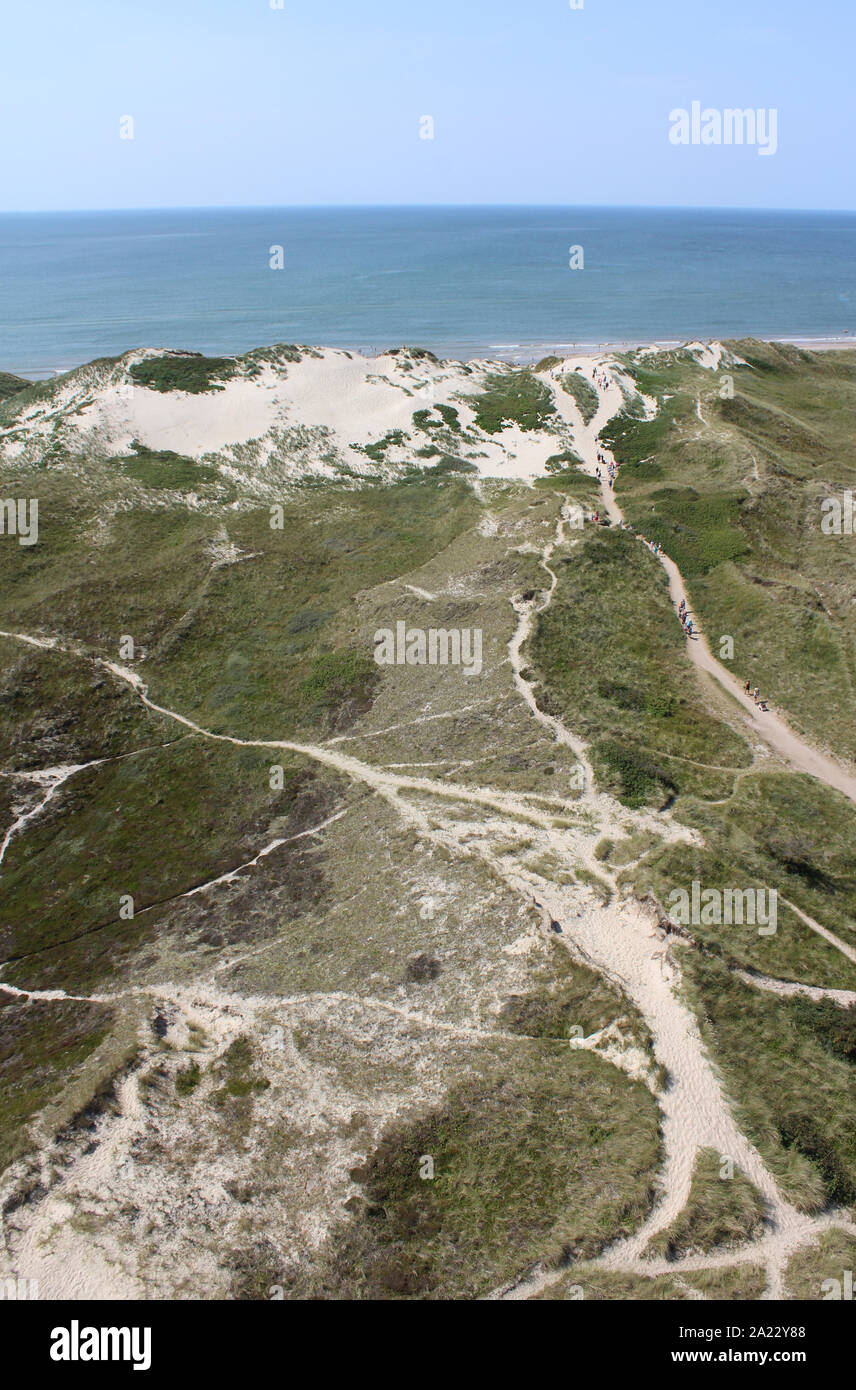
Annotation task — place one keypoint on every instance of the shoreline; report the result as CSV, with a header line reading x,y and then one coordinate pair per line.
x,y
519,354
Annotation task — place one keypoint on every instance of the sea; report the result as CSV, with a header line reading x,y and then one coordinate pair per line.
x,y
468,282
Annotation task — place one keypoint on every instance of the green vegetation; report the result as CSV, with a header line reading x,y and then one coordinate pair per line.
x,y
449,419
503,1194
721,1211
793,1090
240,1083
42,1046
11,385
516,396
589,1283
54,708
776,831
734,497
820,1271
698,532
393,439
162,469
574,998
187,1079
651,734
340,682
221,643
64,880
583,393
446,465
577,486
186,371
562,463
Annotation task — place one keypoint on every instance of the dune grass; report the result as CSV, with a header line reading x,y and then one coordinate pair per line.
x,y
189,372
611,661
42,1045
721,1211
227,644
11,385
583,393
735,499
124,830
820,1272
790,1076
542,1154
162,469
587,1283
517,396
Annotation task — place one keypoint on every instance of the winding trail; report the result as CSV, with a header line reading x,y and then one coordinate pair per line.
x,y
770,727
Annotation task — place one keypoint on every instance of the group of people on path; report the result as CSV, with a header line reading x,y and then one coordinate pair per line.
x,y
654,546
611,468
686,621
602,380
748,689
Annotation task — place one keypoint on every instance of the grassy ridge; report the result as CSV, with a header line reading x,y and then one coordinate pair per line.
x,y
123,829
231,644
542,1153
789,1068
583,393
42,1045
611,662
11,385
735,499
720,1211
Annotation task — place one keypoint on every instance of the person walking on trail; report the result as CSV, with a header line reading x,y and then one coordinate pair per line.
x,y
757,694
747,689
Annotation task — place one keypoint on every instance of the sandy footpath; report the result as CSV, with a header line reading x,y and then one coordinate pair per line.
x,y
769,726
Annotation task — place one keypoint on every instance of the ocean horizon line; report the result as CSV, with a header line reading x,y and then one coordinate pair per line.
x,y
427,207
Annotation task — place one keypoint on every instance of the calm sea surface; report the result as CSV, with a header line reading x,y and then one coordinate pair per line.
x,y
461,281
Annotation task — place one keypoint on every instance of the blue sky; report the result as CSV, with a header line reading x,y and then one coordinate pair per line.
x,y
237,103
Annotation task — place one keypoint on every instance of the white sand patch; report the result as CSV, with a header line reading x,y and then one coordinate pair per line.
x,y
845,998
523,945
713,355
313,416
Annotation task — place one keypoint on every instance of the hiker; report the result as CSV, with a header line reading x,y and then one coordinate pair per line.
x,y
596,517
756,692
747,689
